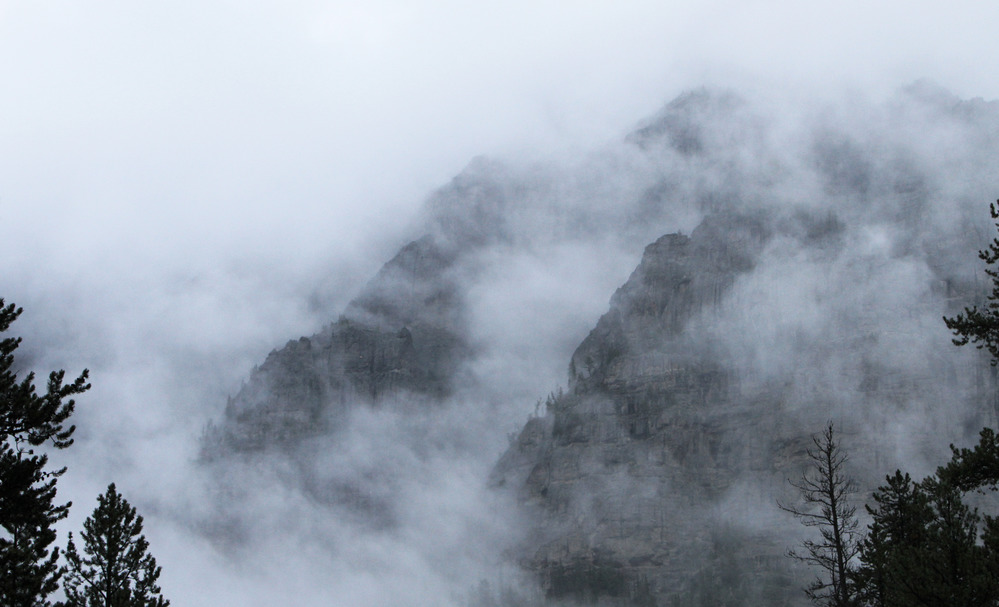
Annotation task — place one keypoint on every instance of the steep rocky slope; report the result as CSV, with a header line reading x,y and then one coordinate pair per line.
x,y
797,272
655,475
400,336
628,466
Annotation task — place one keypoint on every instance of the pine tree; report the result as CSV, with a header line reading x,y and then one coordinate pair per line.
x,y
29,571
981,326
892,551
976,468
826,494
922,548
117,569
923,545
960,574
979,467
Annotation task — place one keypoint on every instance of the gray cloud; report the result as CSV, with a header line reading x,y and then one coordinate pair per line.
x,y
185,186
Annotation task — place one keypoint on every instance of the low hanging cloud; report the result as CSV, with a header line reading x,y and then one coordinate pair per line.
x,y
185,187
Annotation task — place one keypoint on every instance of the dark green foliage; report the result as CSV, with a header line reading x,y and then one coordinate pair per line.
x,y
116,569
924,545
826,495
978,467
975,468
958,573
922,548
29,571
889,552
981,326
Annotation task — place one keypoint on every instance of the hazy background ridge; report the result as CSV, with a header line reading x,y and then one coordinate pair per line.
x,y
185,186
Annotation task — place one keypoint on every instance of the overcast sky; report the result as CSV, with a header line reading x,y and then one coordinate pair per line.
x,y
186,185
176,128
147,148
171,128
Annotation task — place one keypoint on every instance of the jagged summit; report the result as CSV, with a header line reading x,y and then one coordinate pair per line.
x,y
774,272
400,337
645,474
653,418
677,278
690,124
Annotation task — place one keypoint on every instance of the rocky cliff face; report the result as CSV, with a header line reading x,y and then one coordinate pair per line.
x,y
628,466
651,476
400,338
404,338
809,287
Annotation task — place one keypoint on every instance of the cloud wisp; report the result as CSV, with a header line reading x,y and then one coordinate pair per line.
x,y
185,187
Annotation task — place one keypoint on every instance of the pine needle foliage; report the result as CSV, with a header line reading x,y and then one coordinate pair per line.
x,y
116,569
923,548
980,326
29,570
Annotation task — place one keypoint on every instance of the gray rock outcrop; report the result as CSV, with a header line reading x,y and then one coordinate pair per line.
x,y
657,471
401,337
810,289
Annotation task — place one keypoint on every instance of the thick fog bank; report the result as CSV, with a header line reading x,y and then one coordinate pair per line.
x,y
873,210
